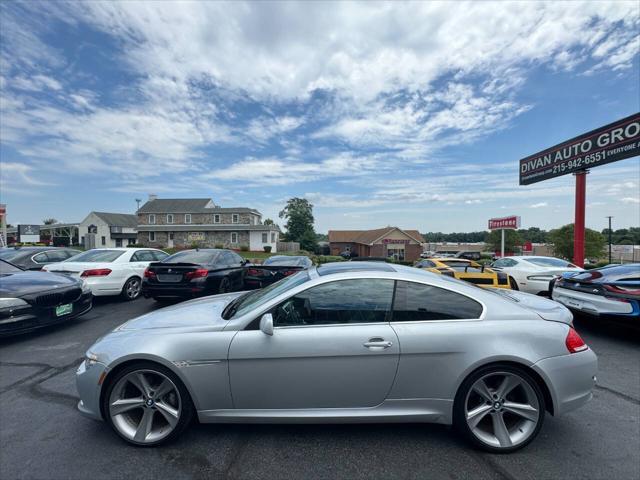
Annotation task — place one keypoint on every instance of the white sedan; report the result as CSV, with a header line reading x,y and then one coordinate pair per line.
x,y
533,274
110,271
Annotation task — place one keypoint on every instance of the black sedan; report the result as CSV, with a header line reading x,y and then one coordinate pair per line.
x,y
194,273
31,300
34,258
273,269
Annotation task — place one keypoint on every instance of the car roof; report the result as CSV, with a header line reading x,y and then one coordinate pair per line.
x,y
342,267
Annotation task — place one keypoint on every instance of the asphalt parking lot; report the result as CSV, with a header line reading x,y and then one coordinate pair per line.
x,y
42,436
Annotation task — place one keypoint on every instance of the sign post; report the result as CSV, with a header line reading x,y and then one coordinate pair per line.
x,y
613,142
504,223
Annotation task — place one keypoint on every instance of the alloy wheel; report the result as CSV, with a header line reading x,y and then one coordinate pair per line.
x,y
502,410
132,288
145,406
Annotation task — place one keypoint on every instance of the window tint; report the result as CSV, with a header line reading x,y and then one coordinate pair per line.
x,y
159,256
416,302
234,258
339,302
96,256
426,264
56,256
549,262
41,258
202,257
143,256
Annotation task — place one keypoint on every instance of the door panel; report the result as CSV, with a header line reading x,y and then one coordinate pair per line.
x,y
313,367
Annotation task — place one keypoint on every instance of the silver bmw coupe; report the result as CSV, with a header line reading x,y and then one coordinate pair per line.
x,y
344,342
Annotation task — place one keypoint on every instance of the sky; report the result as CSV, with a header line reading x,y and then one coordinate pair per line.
x,y
407,114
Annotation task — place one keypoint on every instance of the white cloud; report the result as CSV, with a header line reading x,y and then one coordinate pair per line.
x,y
539,205
632,200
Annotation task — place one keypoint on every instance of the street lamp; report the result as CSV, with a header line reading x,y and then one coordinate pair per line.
x,y
138,200
609,217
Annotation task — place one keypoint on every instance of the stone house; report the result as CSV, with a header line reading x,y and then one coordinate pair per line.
x,y
382,242
183,222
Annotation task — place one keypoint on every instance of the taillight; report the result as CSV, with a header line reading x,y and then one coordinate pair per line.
x,y
256,272
623,290
574,343
149,273
199,273
96,272
289,272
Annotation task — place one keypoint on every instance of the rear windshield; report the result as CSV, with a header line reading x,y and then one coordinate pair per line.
x,y
96,256
12,254
200,257
6,268
285,261
549,262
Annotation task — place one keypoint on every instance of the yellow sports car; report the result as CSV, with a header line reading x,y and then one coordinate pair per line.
x,y
466,270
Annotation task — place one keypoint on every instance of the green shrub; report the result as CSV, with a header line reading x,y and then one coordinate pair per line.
x,y
219,245
244,248
267,248
320,259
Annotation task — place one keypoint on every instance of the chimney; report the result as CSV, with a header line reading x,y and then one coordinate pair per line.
x,y
152,197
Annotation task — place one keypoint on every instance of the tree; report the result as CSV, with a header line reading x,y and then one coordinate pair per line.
x,y
562,239
268,221
49,221
298,214
512,239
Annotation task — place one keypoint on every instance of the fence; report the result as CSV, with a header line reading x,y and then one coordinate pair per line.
x,y
288,246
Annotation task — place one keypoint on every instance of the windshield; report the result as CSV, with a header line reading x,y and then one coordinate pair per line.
x,y
250,300
96,256
6,268
11,254
549,262
192,256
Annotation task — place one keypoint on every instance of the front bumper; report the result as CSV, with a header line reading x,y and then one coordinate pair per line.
x,y
89,384
570,379
593,304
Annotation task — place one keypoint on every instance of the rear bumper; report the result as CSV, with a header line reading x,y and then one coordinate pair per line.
x,y
172,291
570,379
594,304
537,287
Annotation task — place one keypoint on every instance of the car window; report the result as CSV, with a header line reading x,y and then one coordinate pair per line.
x,y
233,258
418,302
158,255
426,264
363,300
12,254
143,256
56,256
200,257
7,268
41,258
96,256
549,262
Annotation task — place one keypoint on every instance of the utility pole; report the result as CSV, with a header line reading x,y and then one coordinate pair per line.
x,y
609,217
138,200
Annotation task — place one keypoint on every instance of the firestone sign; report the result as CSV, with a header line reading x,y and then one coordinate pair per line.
x,y
509,223
613,142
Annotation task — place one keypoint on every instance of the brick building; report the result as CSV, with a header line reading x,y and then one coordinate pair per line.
x,y
174,222
382,242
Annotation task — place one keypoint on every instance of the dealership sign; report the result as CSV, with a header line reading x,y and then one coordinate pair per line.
x,y
613,142
510,223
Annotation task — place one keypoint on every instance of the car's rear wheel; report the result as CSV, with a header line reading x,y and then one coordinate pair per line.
x,y
499,408
147,404
132,288
513,284
225,285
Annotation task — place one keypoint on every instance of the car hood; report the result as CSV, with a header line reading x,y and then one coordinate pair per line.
x,y
545,308
26,283
202,312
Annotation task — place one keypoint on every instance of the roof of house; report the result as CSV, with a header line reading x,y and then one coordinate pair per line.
x,y
189,205
367,237
118,219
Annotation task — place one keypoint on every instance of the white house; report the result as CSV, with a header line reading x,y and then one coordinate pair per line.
x,y
110,229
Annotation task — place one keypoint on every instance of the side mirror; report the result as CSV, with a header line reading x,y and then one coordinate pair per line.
x,y
266,324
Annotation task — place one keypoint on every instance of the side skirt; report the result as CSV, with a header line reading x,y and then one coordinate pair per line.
x,y
390,411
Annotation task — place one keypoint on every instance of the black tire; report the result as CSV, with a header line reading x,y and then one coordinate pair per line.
x,y
225,285
188,410
132,289
459,414
513,284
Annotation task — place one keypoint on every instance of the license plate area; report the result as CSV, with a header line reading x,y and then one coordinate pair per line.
x,y
64,309
169,278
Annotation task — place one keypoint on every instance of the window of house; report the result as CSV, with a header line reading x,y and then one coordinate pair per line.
x,y
152,219
104,240
365,300
235,218
216,218
273,237
152,236
170,218
265,238
187,218
234,237
416,302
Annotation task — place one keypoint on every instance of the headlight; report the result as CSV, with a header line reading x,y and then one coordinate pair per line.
x,y
90,359
12,302
541,278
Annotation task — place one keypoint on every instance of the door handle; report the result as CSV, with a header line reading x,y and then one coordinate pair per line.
x,y
377,343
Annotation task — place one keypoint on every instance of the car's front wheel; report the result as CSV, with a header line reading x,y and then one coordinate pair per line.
x,y
147,404
499,408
